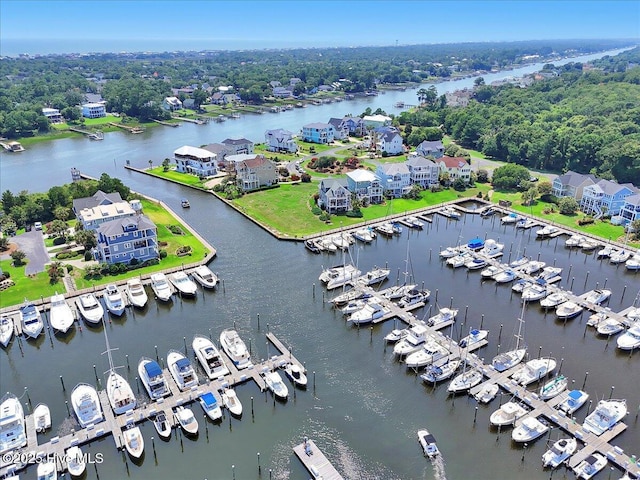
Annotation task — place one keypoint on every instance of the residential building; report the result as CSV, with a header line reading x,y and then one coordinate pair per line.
x,y
101,208
395,178
238,145
96,200
124,239
282,92
254,173
423,171
365,185
456,167
605,197
334,196
389,140
631,209
341,131
172,103
93,110
571,184
196,161
318,133
432,149
355,125
280,140
375,121
53,115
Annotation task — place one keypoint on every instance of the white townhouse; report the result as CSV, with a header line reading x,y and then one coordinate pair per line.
x,y
390,141
365,185
280,140
456,167
423,171
395,178
432,149
196,161
94,110
172,103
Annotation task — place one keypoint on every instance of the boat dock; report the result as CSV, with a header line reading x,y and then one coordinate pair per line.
x,y
315,461
166,124
113,425
127,128
97,135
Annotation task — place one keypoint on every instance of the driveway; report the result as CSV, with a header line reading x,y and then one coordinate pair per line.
x,y
32,244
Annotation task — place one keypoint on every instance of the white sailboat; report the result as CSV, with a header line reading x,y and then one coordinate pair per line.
x,y
466,380
119,392
60,313
209,357
506,360
438,373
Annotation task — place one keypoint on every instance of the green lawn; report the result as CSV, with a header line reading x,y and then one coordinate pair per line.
x,y
26,287
184,178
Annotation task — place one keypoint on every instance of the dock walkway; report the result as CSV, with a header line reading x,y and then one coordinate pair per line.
x,y
315,461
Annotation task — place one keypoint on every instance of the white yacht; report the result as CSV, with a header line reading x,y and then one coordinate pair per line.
x,y
161,287
532,267
60,314
575,399
412,341
606,414
568,310
338,276
75,461
231,401
451,252
511,358
136,293
554,299
521,285
363,235
438,373
152,378
399,291
296,374
530,429
449,212
181,370
276,385
86,404
209,357
90,308
428,443
367,314
507,414
475,263
113,300
609,326
559,452
13,434
183,283
487,392
459,260
210,406
42,417
553,387
466,380
186,419
353,306
444,316
574,240
534,292
235,348
492,248
629,339
550,274
534,370
349,295
374,277
506,276
120,393
597,296
133,440
430,352
6,330
205,277
491,271
606,251
413,297
475,336
593,464
32,323
620,256
547,231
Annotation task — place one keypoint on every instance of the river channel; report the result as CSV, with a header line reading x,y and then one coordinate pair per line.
x,y
366,407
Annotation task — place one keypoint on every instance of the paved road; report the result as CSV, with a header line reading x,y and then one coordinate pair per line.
x,y
32,243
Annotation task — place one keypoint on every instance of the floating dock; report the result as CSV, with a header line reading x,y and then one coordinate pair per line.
x,y
315,461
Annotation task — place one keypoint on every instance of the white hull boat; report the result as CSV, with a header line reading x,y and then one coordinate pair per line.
x,y
428,444
75,461
205,277
444,316
491,271
449,212
547,231
181,370
231,401
187,420
629,339
363,235
375,276
276,385
183,284
13,434
530,429
521,285
574,241
534,370
507,414
553,387
505,276
590,466
475,264
550,274
509,219
47,471
136,293
475,336
235,348
568,310
492,248
459,260
553,300
534,293
450,252
152,378
412,342
442,372
595,319
161,424
120,393
210,406
431,352
606,252
209,357
113,300
597,296
413,297
532,267
575,399
465,381
133,441
559,452
349,295
353,306
6,330
160,286
506,360
32,323
90,309
399,291
42,418
414,222
620,256
60,314
367,314
487,393
606,414
296,375
609,326
520,262
336,277
86,405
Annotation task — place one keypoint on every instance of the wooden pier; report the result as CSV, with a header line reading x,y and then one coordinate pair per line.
x,y
166,124
127,128
315,461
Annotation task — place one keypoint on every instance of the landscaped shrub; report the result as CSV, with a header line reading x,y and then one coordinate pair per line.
x,y
549,198
69,268
175,229
59,240
183,250
586,221
68,254
355,213
87,256
325,217
162,243
162,254
316,210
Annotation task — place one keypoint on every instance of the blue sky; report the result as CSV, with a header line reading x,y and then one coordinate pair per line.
x,y
79,26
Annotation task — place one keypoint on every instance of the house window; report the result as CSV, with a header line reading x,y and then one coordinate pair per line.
x,y
115,248
127,246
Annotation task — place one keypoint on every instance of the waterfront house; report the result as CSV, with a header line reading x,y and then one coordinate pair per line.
x,y
93,110
101,208
172,103
282,92
431,149
571,184
238,145
630,211
375,121
395,178
605,198
125,239
341,131
456,167
318,132
389,141
355,125
255,173
334,196
280,140
423,171
365,185
196,161
53,115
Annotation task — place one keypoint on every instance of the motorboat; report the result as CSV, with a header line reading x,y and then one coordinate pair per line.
x,y
75,461
606,251
385,229
367,314
42,417
428,444
475,263
595,319
559,452
152,378
437,373
568,310
629,339
338,276
620,256
633,314
276,385
509,219
589,244
534,370
13,434
550,274
311,245
90,308
487,392
353,306
459,260
210,406
450,252
186,419
160,286
444,316
349,295
235,348
554,299
475,244
231,401
520,262
553,387
526,223
413,297
412,341
60,314
32,324
363,235
133,441
492,248
181,370
414,222
597,296
296,374
530,429
610,326
183,283
547,231
574,240
161,424
491,271
340,242
606,414
375,276
46,470
535,292
209,357
464,381
325,244
86,405
430,352
532,267
506,360
398,291
113,300
6,330
633,263
521,284
506,276
449,212
575,399
475,336
487,212
396,335
593,464
136,293
507,414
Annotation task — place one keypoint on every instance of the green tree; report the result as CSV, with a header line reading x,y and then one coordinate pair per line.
x,y
166,165
86,238
545,188
57,228
483,176
61,213
4,244
18,257
509,176
199,97
55,272
568,205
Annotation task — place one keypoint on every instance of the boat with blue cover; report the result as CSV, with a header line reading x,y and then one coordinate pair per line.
x,y
210,406
152,378
475,244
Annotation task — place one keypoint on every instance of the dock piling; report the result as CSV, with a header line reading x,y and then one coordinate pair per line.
x,y
66,404
475,414
314,296
584,382
95,372
524,451
156,347
127,357
62,382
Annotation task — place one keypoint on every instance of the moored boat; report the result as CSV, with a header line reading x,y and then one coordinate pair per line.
x,y
46,470
444,316
136,293
205,277
559,452
160,286
32,324
133,441
554,299
413,297
568,310
506,276
86,404
507,414
430,352
161,424
235,348
575,399
231,401
210,406
186,419
75,461
530,429
629,339
338,276
89,307
412,341
475,336
609,326
587,468
60,314
6,330
553,387
487,392
465,381
113,300
183,283
42,417
375,276
606,414
209,357
534,370
152,378
13,434
181,370
276,385
437,373
296,374
597,296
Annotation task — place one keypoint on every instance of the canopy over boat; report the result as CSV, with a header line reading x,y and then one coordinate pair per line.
x,y
209,400
152,369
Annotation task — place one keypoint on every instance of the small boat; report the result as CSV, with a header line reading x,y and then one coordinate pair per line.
x,y
598,317
296,374
152,378
507,414
6,330
553,387
160,286
205,277
430,352
574,240
532,267
183,283
325,244
609,326
520,262
633,264
575,399
276,385
396,335
444,315
547,231
181,370
534,292
75,461
184,203
363,235
487,393
459,260
505,276
593,464
475,263
530,429
550,274
526,223
338,276
311,245
32,323
161,425
491,271
42,418
475,244
487,212
588,245
597,296
629,339
385,229
231,401
620,256
60,314
89,307
136,293
606,414
341,242
559,452
466,380
413,297
47,470
120,393
449,212
209,357
399,291
349,295
414,222
113,300
186,419
235,348
568,310
86,405
520,285
450,252
492,248
375,276
606,251
412,341
13,434
554,299
534,370
210,406
353,306
509,219
428,443
475,336
438,373
133,441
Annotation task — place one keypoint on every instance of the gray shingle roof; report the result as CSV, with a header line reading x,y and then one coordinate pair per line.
x,y
116,227
98,198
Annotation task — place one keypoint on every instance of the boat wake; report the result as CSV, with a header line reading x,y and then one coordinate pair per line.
x,y
438,468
